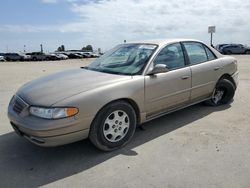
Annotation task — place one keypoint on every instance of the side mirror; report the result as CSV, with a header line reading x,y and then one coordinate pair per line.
x,y
159,68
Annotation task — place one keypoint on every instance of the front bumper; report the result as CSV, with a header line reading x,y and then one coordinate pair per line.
x,y
52,140
44,132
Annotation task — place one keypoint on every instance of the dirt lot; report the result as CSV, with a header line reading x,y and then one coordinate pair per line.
x,y
196,147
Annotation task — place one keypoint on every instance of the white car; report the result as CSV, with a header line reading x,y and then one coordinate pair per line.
x,y
2,58
62,56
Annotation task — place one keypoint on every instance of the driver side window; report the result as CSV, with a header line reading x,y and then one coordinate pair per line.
x,y
171,56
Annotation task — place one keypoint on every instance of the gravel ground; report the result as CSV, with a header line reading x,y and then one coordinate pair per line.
x,y
196,147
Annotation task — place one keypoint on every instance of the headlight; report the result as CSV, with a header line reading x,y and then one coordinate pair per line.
x,y
53,113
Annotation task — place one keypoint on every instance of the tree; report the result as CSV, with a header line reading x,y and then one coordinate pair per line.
x,y
99,50
61,48
88,48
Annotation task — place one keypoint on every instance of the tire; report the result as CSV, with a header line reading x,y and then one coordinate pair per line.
x,y
34,59
223,93
229,52
247,52
108,131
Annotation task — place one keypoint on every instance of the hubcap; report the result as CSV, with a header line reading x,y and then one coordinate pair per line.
x,y
116,126
217,96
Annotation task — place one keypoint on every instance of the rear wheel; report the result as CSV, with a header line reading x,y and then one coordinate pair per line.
x,y
114,126
248,52
222,94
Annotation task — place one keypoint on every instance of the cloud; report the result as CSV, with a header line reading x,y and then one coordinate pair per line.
x,y
49,1
107,22
115,20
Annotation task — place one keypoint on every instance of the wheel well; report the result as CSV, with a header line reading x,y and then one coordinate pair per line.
x,y
228,77
132,103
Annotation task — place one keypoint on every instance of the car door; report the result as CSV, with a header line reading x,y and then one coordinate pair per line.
x,y
16,56
165,91
241,49
236,49
205,68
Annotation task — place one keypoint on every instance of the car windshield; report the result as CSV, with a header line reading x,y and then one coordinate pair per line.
x,y
125,59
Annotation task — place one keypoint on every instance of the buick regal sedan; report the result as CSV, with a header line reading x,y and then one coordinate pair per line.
x,y
131,84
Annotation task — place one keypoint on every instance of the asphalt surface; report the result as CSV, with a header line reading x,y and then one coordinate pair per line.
x,y
198,146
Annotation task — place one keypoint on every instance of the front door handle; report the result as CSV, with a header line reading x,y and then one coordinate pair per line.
x,y
185,77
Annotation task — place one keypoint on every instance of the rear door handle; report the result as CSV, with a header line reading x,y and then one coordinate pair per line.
x,y
217,68
185,77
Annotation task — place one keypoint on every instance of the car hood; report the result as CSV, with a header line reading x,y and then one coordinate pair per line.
x,y
50,89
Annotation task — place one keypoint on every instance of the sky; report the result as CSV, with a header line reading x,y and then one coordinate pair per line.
x,y
106,23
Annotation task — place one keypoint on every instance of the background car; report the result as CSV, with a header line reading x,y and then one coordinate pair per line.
x,y
219,47
16,57
2,58
73,55
25,57
95,55
53,57
235,49
62,56
38,56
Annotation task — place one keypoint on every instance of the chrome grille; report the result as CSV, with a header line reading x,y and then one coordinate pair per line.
x,y
19,104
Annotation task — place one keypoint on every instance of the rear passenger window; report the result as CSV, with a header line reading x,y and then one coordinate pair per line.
x,y
172,56
196,52
210,54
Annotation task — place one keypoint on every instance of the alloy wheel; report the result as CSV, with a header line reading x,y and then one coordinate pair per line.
x,y
218,95
116,126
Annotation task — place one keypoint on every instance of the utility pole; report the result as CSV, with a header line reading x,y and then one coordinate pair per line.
x,y
24,50
41,48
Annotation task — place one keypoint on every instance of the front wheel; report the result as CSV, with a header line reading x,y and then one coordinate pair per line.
x,y
222,94
114,126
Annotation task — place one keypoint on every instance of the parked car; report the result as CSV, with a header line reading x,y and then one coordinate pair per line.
x,y
2,58
219,47
131,84
95,55
16,57
235,49
90,54
53,57
39,56
25,57
62,56
73,55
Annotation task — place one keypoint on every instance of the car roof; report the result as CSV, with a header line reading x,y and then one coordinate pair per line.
x,y
230,45
163,41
